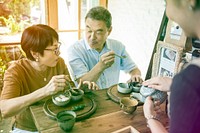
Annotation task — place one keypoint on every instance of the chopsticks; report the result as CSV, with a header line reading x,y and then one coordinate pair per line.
x,y
122,57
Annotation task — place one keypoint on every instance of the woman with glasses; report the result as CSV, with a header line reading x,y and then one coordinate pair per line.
x,y
42,73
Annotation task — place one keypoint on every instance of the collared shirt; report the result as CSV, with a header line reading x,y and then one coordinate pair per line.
x,y
82,59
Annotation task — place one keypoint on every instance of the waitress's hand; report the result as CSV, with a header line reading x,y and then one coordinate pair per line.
x,y
151,107
159,83
56,84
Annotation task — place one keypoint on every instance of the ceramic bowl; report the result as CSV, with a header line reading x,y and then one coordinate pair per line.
x,y
66,120
76,94
123,88
135,86
155,94
128,105
61,99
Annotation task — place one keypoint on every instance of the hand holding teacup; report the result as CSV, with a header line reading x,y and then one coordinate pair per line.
x,y
87,86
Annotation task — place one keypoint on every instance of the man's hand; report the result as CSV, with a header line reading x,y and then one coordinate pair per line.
x,y
107,59
135,78
90,85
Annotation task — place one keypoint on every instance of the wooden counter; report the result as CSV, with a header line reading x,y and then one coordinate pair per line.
x,y
107,118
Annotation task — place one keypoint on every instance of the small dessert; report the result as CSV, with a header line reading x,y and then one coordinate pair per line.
x,y
61,99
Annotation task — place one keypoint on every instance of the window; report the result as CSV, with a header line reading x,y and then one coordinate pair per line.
x,y
66,16
69,19
16,15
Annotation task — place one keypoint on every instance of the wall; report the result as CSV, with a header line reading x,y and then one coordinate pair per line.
x,y
136,23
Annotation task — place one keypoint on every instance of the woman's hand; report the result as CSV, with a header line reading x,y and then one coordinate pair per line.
x,y
159,83
151,108
148,107
56,84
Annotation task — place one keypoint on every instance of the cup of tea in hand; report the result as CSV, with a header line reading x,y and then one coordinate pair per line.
x,y
66,120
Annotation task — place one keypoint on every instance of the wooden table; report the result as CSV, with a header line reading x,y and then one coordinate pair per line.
x,y
107,118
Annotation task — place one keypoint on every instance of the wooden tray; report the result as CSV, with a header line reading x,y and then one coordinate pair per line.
x,y
51,109
116,96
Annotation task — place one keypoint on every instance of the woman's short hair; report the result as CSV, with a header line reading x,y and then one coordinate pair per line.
x,y
36,38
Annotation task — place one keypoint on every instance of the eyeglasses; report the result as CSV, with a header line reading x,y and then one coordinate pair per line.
x,y
57,50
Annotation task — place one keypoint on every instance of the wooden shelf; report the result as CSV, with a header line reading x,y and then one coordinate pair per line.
x,y
10,39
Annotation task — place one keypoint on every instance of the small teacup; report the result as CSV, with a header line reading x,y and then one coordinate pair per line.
x,y
76,94
128,105
135,86
123,88
66,120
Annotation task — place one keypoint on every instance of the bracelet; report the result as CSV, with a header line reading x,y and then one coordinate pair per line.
x,y
151,117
